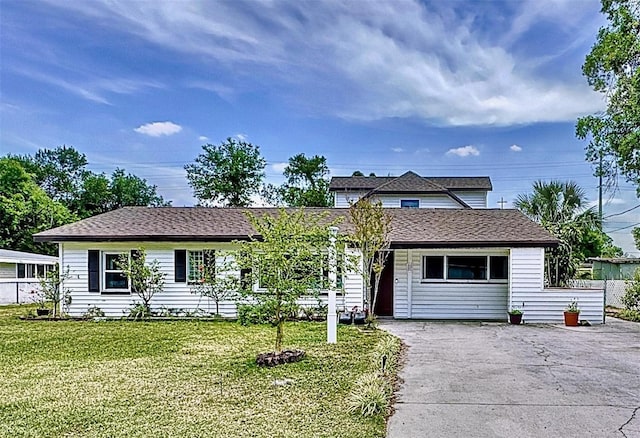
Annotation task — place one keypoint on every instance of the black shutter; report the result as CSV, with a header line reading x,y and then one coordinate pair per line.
x,y
135,254
94,270
180,265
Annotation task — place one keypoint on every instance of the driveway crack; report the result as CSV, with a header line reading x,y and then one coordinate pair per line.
x,y
633,416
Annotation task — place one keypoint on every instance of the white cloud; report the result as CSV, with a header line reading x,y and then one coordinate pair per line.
x,y
383,59
398,150
203,138
279,167
156,129
242,137
464,151
515,148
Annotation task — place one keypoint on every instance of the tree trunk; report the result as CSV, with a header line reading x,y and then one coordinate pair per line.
x,y
217,308
279,328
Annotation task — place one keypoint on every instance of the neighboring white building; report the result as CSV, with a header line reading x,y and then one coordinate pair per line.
x,y
19,272
411,190
445,263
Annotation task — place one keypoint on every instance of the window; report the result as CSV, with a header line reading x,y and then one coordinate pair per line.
x,y
499,267
30,270
433,267
199,262
467,267
410,203
114,277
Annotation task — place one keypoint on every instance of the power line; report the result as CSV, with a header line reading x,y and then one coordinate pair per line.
x,y
622,212
624,228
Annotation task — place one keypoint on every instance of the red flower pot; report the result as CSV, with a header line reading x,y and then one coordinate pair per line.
x,y
571,318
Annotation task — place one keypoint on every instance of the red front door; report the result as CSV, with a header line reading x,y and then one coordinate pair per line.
x,y
384,302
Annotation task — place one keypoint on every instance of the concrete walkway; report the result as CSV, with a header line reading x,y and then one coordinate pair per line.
x,y
498,380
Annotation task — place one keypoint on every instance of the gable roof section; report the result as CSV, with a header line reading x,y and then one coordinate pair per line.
x,y
426,228
465,183
10,256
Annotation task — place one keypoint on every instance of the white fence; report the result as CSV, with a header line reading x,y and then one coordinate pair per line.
x,y
614,289
17,291
548,305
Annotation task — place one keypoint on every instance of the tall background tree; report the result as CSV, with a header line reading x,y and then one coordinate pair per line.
x,y
561,208
227,174
26,209
612,68
306,185
54,187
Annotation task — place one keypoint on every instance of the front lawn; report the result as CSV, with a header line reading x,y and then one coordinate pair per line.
x,y
182,378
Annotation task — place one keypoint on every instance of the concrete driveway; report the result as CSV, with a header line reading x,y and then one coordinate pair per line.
x,y
498,380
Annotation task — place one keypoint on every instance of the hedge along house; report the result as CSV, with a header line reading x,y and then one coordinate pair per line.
x,y
470,264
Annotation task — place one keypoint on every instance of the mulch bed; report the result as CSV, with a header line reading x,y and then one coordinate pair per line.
x,y
274,358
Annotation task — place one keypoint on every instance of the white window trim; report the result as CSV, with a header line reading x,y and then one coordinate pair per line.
x,y
104,271
445,272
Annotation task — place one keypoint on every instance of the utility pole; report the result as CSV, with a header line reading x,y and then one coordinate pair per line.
x,y
502,202
600,192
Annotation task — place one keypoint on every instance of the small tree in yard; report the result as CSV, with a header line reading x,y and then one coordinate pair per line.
x,y
217,281
372,237
284,259
145,280
52,289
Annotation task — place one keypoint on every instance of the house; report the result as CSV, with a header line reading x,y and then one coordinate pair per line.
x,y
445,263
19,273
411,190
615,268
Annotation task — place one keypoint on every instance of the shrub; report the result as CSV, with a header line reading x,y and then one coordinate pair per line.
x,y
386,354
629,315
93,312
371,395
631,298
139,311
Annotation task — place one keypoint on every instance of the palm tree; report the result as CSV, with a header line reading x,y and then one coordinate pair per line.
x,y
561,208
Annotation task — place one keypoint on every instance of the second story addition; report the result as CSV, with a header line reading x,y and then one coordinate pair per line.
x,y
411,190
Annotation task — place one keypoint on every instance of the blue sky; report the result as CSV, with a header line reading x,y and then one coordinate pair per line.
x,y
441,88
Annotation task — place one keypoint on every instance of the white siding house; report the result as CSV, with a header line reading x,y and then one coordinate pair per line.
x,y
19,273
178,294
412,190
470,264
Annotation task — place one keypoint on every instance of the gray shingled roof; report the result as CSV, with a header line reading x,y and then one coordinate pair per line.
x,y
412,227
373,182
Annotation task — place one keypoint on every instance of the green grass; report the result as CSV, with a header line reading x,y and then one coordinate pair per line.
x,y
182,378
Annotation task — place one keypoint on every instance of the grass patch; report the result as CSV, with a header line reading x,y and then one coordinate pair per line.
x,y
178,378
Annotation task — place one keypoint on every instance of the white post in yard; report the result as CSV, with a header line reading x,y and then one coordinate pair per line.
x,y
332,315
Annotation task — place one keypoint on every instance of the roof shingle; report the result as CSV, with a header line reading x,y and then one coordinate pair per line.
x,y
433,183
411,227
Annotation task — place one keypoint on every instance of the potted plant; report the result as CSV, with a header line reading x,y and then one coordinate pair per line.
x,y
515,316
571,313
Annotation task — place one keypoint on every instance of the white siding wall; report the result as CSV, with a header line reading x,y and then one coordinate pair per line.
x,y
175,295
475,199
547,305
393,201
401,271
420,299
